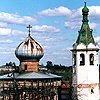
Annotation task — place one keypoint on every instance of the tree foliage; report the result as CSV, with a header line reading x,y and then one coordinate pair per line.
x,y
9,68
64,71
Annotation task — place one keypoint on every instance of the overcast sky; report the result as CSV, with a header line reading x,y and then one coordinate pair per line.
x,y
55,26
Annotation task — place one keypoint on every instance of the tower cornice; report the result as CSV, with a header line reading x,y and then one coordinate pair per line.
x,y
92,49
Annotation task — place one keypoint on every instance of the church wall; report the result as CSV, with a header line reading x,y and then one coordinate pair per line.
x,y
29,89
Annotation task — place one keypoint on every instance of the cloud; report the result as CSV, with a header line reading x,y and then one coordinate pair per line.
x,y
77,24
94,11
6,50
53,39
6,41
97,39
60,11
16,19
36,29
67,49
18,32
75,20
74,16
5,31
44,28
93,25
7,54
3,25
72,24
8,31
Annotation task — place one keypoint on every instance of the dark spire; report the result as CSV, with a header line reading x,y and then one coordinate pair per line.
x,y
29,28
85,33
85,2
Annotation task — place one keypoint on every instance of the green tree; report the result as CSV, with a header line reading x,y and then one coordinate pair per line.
x,y
49,65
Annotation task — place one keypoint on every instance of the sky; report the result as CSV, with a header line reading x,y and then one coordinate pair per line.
x,y
55,25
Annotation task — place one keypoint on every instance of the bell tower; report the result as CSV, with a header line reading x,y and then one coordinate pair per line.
x,y
85,78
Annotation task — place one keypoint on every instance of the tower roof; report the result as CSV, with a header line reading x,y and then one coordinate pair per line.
x,y
85,10
29,50
85,33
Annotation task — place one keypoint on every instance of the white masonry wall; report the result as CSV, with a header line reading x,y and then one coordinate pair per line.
x,y
86,75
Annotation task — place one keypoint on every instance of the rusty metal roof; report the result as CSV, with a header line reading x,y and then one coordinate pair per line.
x,y
29,49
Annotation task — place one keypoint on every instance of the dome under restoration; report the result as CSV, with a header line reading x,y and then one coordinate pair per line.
x,y
29,50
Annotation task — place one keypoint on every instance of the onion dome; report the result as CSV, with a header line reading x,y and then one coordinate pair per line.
x,y
29,50
85,9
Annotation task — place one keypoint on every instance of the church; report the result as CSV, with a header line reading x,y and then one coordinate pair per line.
x,y
29,83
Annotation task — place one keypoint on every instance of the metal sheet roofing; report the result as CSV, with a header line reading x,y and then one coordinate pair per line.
x,y
31,75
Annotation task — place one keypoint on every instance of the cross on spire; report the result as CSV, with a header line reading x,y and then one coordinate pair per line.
x,y
29,28
85,1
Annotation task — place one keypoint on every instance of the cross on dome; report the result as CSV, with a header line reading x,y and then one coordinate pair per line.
x,y
85,1
29,28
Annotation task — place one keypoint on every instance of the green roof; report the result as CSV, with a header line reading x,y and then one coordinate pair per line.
x,y
85,33
85,9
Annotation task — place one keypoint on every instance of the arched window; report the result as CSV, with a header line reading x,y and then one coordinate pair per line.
x,y
92,90
91,59
82,59
74,59
25,67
